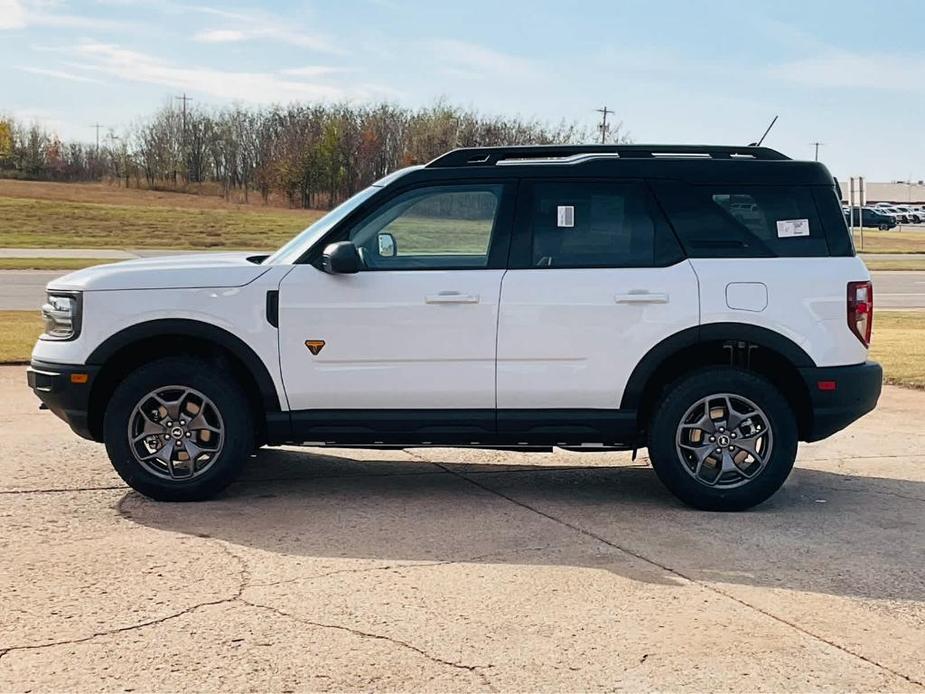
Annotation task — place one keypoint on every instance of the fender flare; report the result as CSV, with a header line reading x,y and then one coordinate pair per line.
x,y
182,327
701,334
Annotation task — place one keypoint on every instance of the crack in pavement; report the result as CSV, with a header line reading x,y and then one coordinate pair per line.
x,y
4,650
244,583
681,575
244,575
475,669
63,490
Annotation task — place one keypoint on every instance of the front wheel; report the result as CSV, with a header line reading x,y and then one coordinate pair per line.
x,y
178,429
723,439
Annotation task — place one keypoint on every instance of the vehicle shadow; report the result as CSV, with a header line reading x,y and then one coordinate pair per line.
x,y
823,532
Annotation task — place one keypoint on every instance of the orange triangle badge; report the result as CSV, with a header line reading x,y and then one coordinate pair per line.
x,y
314,346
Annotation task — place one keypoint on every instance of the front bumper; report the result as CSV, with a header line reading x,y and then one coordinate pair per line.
x,y
65,391
839,395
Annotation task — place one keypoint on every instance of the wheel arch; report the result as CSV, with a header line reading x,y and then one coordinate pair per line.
x,y
758,349
138,344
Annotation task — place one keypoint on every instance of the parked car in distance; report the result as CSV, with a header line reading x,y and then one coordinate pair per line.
x,y
872,217
705,303
910,214
902,215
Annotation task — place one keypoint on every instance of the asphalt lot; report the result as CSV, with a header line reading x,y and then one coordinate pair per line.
x,y
444,569
25,289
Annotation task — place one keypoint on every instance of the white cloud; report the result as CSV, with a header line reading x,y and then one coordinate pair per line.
x,y
314,71
12,14
844,69
59,74
17,14
219,36
275,34
259,26
257,87
472,61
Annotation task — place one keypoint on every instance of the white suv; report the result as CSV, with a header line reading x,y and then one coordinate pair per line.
x,y
705,302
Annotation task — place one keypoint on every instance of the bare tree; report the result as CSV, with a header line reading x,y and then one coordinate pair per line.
x,y
308,155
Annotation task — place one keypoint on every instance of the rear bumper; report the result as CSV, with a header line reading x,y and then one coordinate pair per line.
x,y
856,391
66,397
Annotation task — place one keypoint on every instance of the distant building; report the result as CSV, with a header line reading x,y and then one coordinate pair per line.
x,y
888,192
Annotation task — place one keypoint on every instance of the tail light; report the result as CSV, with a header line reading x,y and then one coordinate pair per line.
x,y
861,310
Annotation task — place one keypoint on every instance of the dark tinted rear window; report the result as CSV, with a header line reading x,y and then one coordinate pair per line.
x,y
594,224
724,221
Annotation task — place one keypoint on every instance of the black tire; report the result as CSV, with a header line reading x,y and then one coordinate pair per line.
x,y
884,227
684,394
226,395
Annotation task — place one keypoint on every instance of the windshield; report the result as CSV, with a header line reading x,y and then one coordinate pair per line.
x,y
301,242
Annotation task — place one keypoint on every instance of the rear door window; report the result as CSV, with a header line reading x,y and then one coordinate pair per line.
x,y
597,224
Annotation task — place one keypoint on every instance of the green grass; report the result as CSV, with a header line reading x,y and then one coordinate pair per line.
x,y
435,236
890,242
18,332
52,263
910,264
33,223
898,343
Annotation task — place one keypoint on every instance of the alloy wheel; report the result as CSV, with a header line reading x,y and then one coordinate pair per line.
x,y
724,440
176,433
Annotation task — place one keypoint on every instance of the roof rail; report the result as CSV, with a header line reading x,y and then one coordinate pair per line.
x,y
489,156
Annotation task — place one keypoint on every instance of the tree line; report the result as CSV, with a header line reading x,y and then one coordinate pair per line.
x,y
304,155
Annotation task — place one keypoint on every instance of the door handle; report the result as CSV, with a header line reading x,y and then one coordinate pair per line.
x,y
641,297
451,298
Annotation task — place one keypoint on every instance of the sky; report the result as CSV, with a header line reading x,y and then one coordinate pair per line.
x,y
849,74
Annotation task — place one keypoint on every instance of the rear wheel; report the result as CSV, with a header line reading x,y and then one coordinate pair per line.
x,y
723,439
178,429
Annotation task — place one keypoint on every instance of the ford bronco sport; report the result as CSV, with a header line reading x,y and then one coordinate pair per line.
x,y
703,302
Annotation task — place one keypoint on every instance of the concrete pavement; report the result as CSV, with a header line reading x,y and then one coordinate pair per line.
x,y
445,569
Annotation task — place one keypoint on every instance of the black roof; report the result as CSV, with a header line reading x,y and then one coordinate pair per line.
x,y
487,156
707,164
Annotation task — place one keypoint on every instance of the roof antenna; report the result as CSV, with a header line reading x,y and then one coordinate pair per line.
x,y
758,144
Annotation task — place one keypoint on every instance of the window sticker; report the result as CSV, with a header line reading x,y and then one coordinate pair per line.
x,y
792,228
565,216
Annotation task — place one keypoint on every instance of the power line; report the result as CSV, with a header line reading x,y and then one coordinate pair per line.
x,y
603,127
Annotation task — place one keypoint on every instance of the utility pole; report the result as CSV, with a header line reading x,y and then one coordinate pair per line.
x,y
817,145
184,99
603,127
97,126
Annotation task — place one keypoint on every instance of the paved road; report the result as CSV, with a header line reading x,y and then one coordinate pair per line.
x,y
899,290
25,289
108,253
444,569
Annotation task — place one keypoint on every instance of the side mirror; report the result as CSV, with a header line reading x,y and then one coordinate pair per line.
x,y
341,258
388,248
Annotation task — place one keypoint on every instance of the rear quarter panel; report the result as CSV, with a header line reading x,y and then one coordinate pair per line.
x,y
806,301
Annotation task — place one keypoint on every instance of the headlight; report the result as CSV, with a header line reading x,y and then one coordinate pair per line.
x,y
61,315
